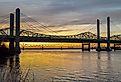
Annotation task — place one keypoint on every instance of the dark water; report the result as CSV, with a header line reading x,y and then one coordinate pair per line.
x,y
64,66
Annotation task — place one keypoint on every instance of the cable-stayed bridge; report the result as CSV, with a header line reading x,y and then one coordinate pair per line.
x,y
27,29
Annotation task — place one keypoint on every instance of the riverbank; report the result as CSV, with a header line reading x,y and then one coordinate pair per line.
x,y
4,51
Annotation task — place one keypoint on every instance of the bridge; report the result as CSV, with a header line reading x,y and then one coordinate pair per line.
x,y
27,33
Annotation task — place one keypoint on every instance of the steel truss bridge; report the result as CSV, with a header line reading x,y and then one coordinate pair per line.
x,y
28,36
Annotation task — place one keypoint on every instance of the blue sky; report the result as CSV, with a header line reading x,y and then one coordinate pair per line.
x,y
63,11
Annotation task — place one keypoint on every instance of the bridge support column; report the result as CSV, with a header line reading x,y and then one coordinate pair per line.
x,y
17,39
98,35
86,44
11,44
114,46
108,34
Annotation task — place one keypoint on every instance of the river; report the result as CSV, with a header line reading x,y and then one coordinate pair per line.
x,y
66,66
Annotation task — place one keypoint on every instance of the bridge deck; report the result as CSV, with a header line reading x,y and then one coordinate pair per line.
x,y
50,39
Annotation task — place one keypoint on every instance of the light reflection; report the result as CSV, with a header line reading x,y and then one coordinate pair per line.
x,y
104,67
57,45
67,65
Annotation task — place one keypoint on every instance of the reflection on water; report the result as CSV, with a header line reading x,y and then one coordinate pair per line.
x,y
9,69
65,66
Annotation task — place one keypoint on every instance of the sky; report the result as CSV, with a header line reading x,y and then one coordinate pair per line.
x,y
73,13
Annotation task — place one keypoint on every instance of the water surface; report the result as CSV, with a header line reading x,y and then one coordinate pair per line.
x,y
70,66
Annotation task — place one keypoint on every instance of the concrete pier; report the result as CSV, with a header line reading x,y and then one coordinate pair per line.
x,y
86,44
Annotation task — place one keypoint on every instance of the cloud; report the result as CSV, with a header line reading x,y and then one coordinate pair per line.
x,y
65,12
61,11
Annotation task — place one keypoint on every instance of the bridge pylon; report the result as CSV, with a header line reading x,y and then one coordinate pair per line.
x,y
108,34
98,36
17,34
11,44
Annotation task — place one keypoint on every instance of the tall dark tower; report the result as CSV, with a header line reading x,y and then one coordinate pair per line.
x,y
11,44
98,35
108,34
17,47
